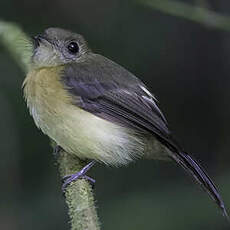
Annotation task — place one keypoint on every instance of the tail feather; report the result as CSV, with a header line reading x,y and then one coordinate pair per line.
x,y
196,171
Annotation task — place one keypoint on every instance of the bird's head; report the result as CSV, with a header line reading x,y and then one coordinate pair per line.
x,y
58,47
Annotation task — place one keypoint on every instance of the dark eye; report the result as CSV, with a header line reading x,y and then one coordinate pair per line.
x,y
73,47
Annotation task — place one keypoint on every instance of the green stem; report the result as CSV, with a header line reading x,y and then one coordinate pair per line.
x,y
79,195
194,13
17,43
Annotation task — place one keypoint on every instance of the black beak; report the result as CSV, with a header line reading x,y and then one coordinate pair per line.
x,y
38,39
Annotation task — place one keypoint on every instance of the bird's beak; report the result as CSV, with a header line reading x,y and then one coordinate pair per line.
x,y
38,39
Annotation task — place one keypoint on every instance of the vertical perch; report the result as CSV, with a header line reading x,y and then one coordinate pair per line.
x,y
79,195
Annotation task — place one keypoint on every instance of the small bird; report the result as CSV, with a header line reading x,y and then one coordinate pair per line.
x,y
97,110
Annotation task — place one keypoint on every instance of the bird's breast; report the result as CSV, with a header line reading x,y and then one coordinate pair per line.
x,y
45,95
77,131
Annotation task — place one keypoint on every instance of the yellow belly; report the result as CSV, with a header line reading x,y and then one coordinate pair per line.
x,y
75,130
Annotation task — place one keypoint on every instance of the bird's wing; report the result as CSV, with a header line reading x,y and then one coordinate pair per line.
x,y
124,106
130,104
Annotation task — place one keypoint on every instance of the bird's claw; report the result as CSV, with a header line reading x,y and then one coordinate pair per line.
x,y
67,180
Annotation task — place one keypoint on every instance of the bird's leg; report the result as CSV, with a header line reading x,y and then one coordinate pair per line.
x,y
91,180
79,175
56,151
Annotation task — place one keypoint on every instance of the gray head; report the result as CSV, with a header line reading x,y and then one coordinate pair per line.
x,y
57,47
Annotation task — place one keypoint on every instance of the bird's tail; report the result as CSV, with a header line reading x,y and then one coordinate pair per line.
x,y
196,171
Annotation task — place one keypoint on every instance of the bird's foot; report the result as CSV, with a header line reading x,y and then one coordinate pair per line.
x,y
67,180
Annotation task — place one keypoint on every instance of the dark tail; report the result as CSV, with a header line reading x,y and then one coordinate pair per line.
x,y
193,168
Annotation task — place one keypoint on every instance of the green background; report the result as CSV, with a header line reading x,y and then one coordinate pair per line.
x,y
186,65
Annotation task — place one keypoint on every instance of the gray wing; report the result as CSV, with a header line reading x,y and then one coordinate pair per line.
x,y
112,93
127,107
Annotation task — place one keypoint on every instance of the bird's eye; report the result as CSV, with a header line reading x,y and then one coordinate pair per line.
x,y
73,47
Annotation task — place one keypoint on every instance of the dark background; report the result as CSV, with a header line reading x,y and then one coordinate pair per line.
x,y
185,64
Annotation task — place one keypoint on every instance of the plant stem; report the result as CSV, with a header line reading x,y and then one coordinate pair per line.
x,y
190,12
17,43
79,195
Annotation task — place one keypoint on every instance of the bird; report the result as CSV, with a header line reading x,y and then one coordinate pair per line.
x,y
97,110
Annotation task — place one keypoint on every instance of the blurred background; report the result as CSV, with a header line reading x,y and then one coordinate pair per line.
x,y
184,63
